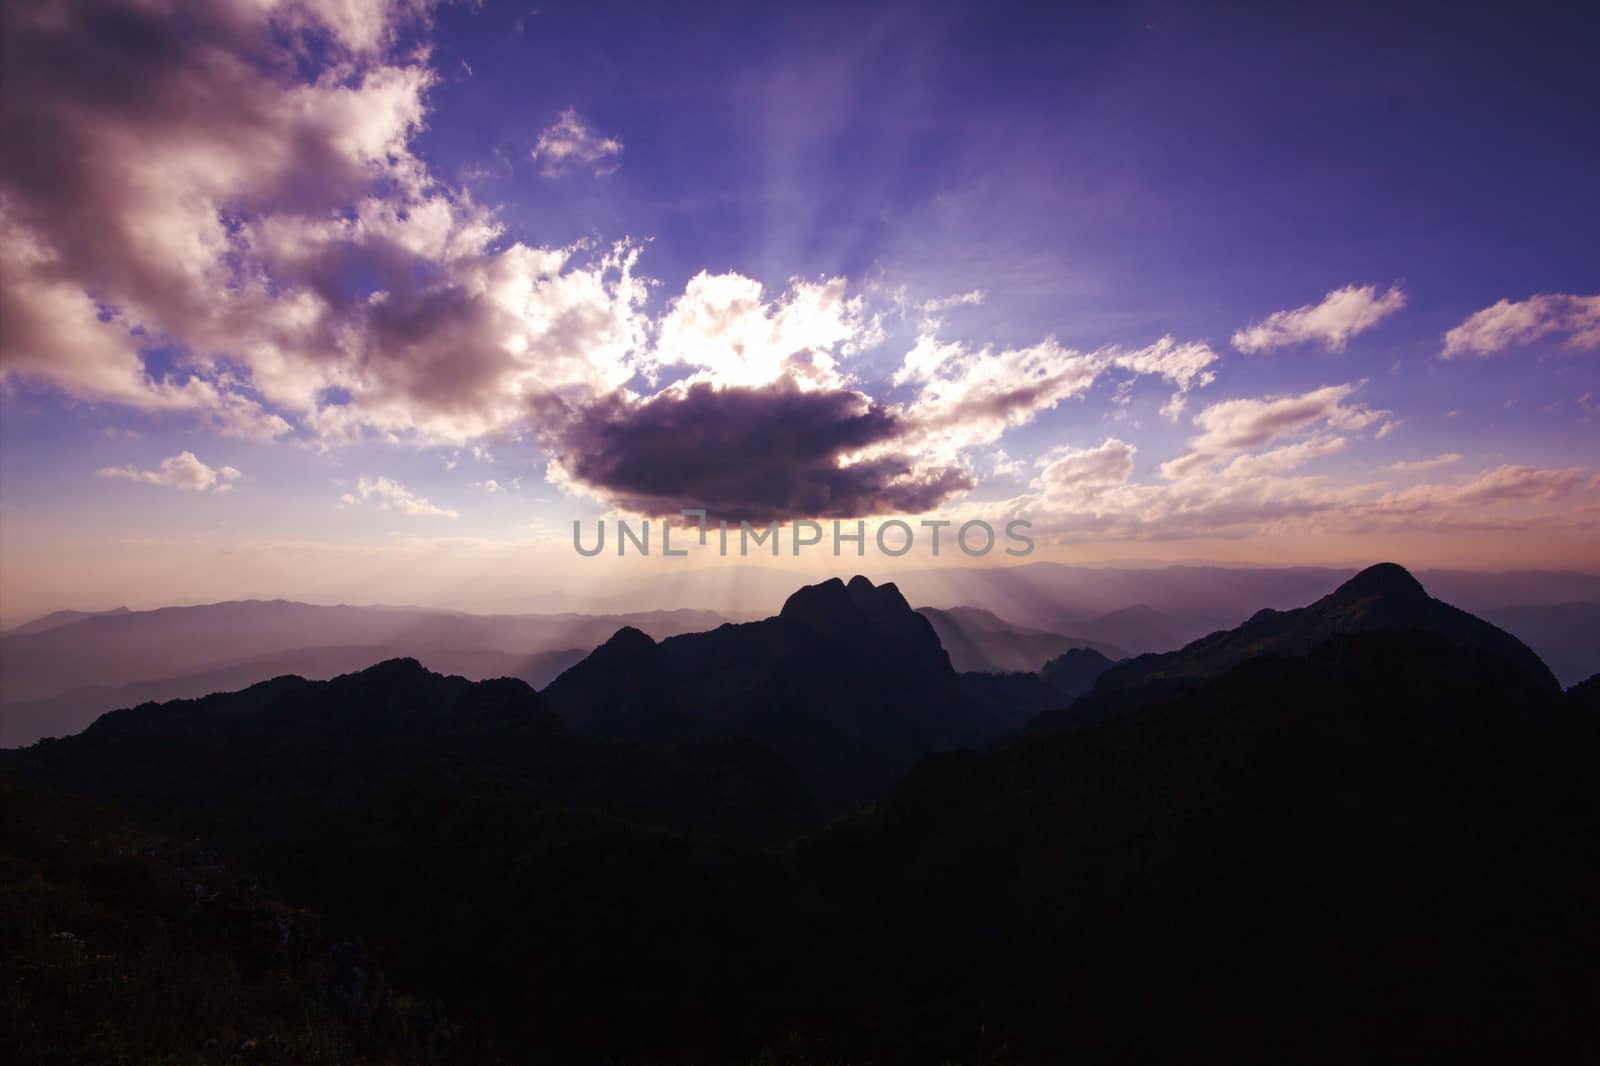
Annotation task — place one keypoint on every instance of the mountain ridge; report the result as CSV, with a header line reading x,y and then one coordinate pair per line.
x,y
1382,597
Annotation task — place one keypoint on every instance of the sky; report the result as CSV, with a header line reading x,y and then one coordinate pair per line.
x,y
372,301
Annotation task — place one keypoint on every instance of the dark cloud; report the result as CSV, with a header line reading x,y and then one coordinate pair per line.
x,y
749,454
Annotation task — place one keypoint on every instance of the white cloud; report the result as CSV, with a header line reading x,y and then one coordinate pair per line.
x,y
1079,496
724,329
1075,471
1514,323
973,298
393,496
1234,427
571,143
1005,465
1507,484
182,471
970,397
1184,364
1342,314
215,224
1414,466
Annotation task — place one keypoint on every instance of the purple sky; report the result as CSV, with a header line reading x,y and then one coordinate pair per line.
x,y
330,298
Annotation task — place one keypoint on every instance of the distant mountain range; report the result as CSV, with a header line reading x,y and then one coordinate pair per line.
x,y
57,619
1367,822
59,673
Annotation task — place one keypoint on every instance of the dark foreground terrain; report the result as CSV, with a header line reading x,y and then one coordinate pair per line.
x,y
1363,830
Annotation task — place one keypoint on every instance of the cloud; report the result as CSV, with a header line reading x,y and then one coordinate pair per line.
x,y
1236,478
971,397
1075,470
571,143
1514,323
1418,465
1089,495
393,496
222,215
164,145
1186,364
973,298
1342,314
747,453
182,471
1505,484
724,329
1237,426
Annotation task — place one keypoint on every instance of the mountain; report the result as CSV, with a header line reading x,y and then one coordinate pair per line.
x,y
322,741
1385,838
847,683
1141,629
1194,600
147,949
1384,597
57,619
487,853
1389,841
1015,699
1074,672
54,681
62,715
981,641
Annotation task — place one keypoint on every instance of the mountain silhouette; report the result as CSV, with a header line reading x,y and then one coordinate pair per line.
x,y
1074,672
1329,852
1383,597
1365,823
846,683
320,742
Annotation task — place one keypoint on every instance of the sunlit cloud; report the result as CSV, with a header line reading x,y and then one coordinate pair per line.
x,y
1342,314
1416,466
1234,427
390,495
182,471
571,144
227,224
1514,323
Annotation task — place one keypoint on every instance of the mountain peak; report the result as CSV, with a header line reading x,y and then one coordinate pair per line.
x,y
1389,581
399,667
629,638
863,610
877,600
820,604
391,674
1380,598
832,603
